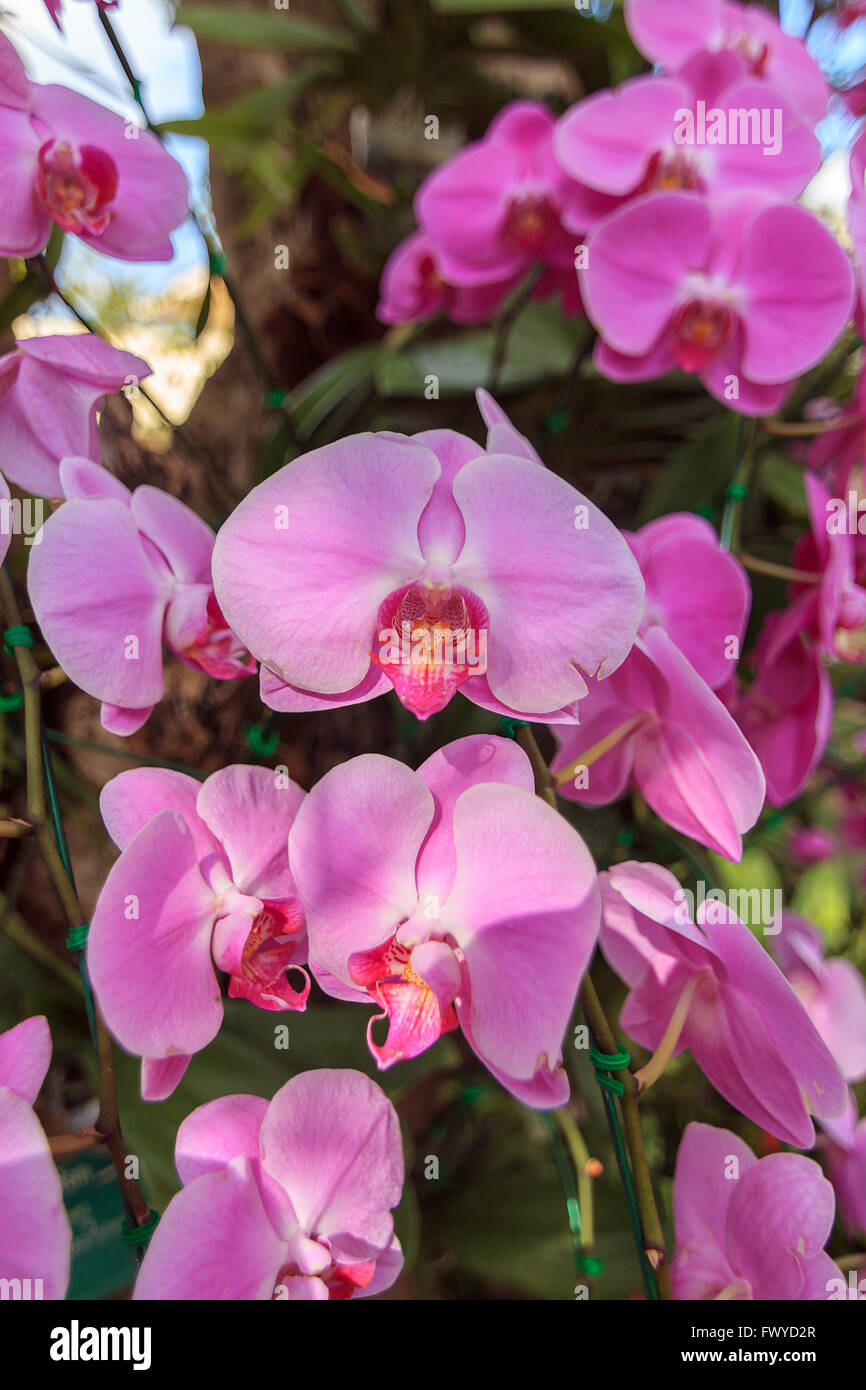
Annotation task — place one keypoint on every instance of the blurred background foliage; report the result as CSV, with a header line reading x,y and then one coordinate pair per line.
x,y
315,123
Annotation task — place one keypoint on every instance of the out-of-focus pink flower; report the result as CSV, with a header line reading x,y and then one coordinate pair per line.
x,y
287,1199
841,451
712,988
413,288
672,738
706,616
203,878
495,209
636,139
833,992
50,391
812,844
55,7
787,711
671,32
843,1146
35,1236
833,609
746,292
67,161
427,565
451,894
749,1228
151,555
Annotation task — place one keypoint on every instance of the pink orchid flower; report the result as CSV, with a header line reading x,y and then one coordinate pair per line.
x,y
452,895
203,879
671,32
746,292
427,565
833,992
494,210
55,7
414,288
843,1148
749,1228
289,1198
705,618
631,140
35,1236
840,453
65,160
787,712
152,555
50,391
833,609
658,726
712,988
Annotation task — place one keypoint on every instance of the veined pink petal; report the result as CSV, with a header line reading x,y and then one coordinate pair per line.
x,y
710,1165
151,972
35,1236
302,565
132,798
331,1138
25,1052
214,1241
251,812
215,1133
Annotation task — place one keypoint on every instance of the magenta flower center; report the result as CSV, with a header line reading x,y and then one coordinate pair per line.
x,y
217,651
431,638
750,48
701,328
416,1016
76,186
669,170
267,955
531,219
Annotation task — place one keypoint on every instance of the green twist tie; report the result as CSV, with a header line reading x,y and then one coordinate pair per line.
x,y
626,837
217,264
508,727
559,421
591,1266
140,1235
737,491
261,743
18,636
136,90
10,702
77,938
274,399
470,1095
707,512
604,1062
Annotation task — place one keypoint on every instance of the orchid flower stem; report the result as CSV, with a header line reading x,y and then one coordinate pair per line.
x,y
580,1157
652,1237
275,393
807,429
55,856
647,1075
513,308
598,750
759,566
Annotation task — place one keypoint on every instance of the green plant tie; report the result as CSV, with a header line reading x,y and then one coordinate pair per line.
x,y
605,1062
140,1235
17,636
508,727
274,399
77,938
262,742
736,492
218,264
11,702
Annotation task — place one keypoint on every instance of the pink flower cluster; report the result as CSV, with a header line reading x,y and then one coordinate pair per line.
x,y
670,196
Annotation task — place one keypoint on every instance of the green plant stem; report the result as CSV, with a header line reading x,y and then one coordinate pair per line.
x,y
215,253
108,1122
505,323
651,1227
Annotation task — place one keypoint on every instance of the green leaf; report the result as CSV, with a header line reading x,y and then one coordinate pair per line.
x,y
541,345
698,471
252,29
328,387
782,480
823,896
757,882
255,115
